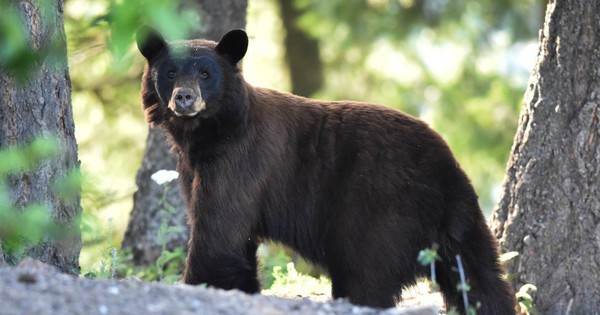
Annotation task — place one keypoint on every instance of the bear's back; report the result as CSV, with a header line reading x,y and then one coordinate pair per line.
x,y
353,127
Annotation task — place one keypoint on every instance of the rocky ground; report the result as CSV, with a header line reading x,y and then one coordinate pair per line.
x,y
38,289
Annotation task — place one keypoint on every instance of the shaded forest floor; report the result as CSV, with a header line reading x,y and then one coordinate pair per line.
x,y
39,289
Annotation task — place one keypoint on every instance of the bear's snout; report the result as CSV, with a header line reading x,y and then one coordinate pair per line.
x,y
184,98
186,101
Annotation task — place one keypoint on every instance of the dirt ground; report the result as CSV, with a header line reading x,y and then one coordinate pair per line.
x,y
39,289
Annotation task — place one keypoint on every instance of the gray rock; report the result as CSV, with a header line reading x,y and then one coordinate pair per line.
x,y
39,289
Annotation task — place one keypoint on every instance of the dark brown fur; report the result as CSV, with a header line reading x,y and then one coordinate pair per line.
x,y
356,188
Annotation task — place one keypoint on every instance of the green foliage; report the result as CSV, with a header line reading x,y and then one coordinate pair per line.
x,y
16,56
447,62
13,47
23,226
267,275
110,259
126,16
427,257
403,18
524,295
18,228
168,264
464,288
167,211
68,187
289,282
167,268
526,300
106,271
26,157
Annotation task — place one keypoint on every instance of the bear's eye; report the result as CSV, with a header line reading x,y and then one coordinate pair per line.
x,y
204,74
171,74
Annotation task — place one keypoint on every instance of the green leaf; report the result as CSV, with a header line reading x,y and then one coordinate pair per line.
x,y
42,148
428,255
523,293
463,287
171,279
68,186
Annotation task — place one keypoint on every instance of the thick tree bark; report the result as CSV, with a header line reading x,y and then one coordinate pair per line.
x,y
41,106
550,209
216,18
142,232
302,53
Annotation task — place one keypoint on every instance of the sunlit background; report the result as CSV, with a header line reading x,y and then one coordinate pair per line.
x,y
464,71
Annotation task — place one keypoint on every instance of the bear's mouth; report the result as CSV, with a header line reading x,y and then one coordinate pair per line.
x,y
188,114
189,111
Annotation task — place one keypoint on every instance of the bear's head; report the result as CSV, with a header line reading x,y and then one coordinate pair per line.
x,y
189,79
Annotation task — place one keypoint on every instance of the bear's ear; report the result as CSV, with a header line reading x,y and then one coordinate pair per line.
x,y
150,42
233,45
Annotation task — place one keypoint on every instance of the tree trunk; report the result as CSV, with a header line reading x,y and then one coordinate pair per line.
x,y
550,209
2,261
302,53
41,106
216,18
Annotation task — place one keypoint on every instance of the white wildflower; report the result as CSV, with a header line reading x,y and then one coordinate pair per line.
x,y
164,176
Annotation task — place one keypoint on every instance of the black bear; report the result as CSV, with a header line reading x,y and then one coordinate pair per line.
x,y
356,188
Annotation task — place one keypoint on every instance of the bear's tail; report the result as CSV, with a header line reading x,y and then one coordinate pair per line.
x,y
466,233
487,293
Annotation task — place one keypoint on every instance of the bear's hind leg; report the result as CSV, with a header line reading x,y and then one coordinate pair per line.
x,y
364,288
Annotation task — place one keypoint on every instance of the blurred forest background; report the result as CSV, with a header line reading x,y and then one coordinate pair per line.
x,y
460,65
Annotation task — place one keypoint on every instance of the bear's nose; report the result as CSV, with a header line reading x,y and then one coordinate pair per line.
x,y
184,97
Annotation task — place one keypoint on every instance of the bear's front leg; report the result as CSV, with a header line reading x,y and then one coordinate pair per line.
x,y
221,261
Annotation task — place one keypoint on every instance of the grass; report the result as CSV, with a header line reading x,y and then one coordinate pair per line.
x,y
291,283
